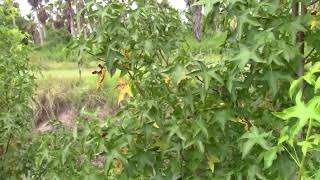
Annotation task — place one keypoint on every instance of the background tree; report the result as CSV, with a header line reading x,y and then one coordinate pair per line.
x,y
60,17
81,17
31,28
43,16
35,4
69,15
196,18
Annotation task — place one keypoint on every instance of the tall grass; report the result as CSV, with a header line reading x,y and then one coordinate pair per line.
x,y
211,42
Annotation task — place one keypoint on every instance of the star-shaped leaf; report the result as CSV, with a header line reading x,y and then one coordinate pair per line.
x,y
302,111
244,56
254,137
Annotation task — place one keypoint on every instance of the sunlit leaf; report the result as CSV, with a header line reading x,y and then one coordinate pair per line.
x,y
212,160
305,145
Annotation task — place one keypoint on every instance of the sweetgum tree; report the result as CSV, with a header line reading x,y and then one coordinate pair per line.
x,y
190,118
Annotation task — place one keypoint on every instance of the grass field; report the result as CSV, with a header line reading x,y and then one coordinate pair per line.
x,y
60,89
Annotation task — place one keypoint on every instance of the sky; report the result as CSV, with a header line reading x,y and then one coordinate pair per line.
x,y
25,7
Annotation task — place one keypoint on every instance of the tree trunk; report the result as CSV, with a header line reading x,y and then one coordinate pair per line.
x,y
40,35
196,19
80,17
303,11
299,38
41,38
70,22
44,31
14,22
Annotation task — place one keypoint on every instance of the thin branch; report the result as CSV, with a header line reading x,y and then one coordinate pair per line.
x,y
313,2
217,91
309,54
131,76
95,55
199,79
8,143
136,83
165,60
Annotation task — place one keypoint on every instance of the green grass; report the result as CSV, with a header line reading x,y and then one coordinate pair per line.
x,y
211,42
77,90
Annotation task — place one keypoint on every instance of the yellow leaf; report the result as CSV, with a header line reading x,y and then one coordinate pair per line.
x,y
101,75
155,125
118,166
124,150
212,160
124,90
167,79
314,24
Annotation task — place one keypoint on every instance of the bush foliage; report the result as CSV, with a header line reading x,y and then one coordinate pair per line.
x,y
191,118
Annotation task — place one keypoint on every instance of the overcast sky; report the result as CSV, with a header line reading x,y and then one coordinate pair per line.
x,y
25,7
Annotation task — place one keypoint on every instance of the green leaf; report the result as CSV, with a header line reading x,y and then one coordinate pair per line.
x,y
315,68
75,133
310,78
283,138
246,147
174,130
179,73
254,171
161,144
148,47
200,146
206,75
317,174
252,138
65,153
269,156
292,27
317,85
208,5
302,111
245,20
223,117
216,76
294,86
244,56
305,145
202,127
272,77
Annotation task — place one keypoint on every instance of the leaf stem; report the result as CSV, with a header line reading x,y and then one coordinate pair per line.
x,y
164,59
295,153
301,169
136,84
295,159
8,143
